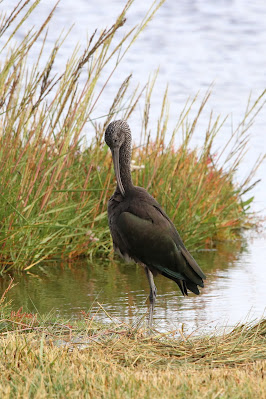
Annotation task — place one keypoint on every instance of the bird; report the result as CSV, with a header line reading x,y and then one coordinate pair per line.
x,y
141,230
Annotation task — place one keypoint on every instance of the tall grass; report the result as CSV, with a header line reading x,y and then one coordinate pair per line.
x,y
55,187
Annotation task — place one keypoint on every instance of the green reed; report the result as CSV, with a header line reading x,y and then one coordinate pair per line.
x,y
55,186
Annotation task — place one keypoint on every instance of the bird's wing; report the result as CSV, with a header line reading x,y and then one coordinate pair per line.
x,y
151,241
189,258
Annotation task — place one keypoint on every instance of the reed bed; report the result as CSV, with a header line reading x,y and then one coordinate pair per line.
x,y
55,186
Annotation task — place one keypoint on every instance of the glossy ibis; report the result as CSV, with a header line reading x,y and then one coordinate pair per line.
x,y
140,229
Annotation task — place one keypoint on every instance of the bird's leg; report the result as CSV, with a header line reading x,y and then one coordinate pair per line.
x,y
153,293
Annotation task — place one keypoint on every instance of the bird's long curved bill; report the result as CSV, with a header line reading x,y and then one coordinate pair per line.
x,y
115,154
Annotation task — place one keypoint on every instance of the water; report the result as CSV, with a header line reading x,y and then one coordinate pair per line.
x,y
195,43
235,290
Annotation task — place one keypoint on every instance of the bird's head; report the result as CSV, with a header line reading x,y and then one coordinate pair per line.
x,y
117,135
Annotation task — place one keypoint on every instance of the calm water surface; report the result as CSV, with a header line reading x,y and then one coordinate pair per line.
x,y
195,43
235,290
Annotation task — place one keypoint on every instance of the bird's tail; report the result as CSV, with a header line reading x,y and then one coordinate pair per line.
x,y
185,285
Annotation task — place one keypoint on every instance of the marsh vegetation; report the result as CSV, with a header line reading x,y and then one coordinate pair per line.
x,y
55,184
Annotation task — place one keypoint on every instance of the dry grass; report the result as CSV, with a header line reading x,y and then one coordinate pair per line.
x,y
41,357
60,360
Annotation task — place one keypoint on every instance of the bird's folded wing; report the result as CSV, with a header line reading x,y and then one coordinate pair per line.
x,y
189,258
153,245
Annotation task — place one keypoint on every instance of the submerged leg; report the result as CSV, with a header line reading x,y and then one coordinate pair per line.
x,y
153,293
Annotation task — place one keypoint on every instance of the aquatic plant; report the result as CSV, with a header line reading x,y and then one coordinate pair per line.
x,y
55,186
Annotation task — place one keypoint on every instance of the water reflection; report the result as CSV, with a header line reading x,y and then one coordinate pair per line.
x,y
234,288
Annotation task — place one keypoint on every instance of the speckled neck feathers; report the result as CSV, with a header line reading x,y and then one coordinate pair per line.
x,y
118,137
124,161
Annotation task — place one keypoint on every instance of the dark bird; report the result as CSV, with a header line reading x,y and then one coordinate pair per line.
x,y
140,229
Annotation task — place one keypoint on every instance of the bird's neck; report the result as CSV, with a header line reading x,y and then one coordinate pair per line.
x,y
125,170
